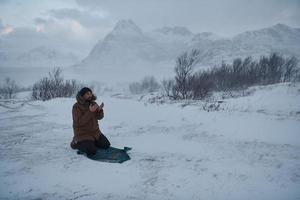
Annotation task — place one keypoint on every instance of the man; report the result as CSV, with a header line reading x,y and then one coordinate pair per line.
x,y
86,113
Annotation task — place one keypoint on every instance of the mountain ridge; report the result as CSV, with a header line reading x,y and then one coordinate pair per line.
x,y
131,43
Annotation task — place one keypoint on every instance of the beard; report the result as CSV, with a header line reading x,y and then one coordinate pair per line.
x,y
89,100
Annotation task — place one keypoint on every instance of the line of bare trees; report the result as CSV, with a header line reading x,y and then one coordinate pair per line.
x,y
47,88
8,89
147,84
241,74
54,86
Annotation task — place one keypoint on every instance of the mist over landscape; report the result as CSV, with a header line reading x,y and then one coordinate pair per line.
x,y
206,93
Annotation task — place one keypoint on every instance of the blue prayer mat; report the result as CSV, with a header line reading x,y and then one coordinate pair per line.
x,y
111,155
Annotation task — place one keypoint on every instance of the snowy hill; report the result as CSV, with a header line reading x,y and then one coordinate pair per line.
x,y
247,150
278,34
177,30
41,56
278,38
46,57
171,40
127,44
25,47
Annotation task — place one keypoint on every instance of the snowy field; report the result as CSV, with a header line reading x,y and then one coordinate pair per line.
x,y
249,149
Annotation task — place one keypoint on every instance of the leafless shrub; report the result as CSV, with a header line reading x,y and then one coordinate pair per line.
x,y
8,89
183,73
239,75
54,86
148,84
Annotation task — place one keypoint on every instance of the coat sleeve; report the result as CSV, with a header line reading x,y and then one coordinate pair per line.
x,y
80,118
100,114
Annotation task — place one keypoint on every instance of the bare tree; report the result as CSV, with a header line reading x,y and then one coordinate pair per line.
x,y
201,85
275,71
263,66
9,88
54,86
241,74
148,84
169,88
291,71
183,70
57,80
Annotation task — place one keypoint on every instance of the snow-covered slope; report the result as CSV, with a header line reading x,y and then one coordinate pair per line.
x,y
25,47
47,57
41,56
276,35
179,152
127,45
278,38
171,40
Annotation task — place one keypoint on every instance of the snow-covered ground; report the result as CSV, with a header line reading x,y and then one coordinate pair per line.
x,y
249,149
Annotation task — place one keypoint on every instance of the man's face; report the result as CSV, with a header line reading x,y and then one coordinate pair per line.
x,y
88,96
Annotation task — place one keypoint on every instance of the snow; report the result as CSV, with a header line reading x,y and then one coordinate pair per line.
x,y
31,49
128,45
249,149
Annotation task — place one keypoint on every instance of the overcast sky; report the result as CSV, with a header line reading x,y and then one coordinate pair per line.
x,y
90,20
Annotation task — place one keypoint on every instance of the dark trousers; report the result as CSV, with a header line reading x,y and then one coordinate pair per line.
x,y
90,147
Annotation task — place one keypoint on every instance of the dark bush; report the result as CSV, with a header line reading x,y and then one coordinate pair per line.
x,y
8,89
183,73
148,84
54,86
241,74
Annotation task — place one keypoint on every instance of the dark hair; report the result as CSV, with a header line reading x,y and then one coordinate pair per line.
x,y
84,90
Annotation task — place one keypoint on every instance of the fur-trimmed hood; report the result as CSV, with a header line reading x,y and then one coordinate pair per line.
x,y
82,101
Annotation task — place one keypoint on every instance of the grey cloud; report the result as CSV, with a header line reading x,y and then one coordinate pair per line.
x,y
40,21
93,22
4,1
85,17
1,24
224,17
23,39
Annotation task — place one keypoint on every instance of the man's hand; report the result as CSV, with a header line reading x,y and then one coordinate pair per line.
x,y
101,106
94,107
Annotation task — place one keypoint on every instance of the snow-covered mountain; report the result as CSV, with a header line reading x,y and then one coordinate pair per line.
x,y
26,47
275,35
127,44
45,56
41,56
278,38
177,30
171,40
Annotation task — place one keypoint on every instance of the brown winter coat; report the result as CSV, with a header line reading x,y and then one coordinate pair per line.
x,y
85,122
